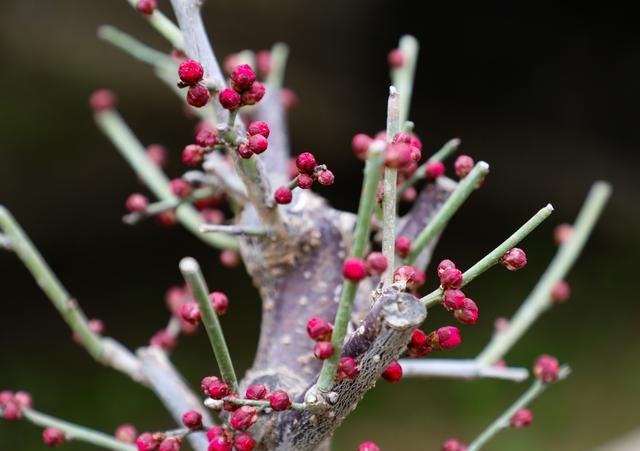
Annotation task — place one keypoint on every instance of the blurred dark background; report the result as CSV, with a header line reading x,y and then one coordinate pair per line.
x,y
548,96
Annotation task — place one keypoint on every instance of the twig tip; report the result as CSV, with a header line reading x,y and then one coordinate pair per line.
x,y
189,265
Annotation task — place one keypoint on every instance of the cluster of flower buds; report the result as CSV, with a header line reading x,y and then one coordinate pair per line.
x,y
245,90
191,74
306,171
175,298
224,439
409,277
12,404
158,441
445,338
320,331
257,134
464,309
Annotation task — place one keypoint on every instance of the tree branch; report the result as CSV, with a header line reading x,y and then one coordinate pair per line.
x,y
459,369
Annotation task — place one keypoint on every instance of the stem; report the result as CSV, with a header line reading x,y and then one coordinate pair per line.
x,y
135,48
261,404
234,230
403,76
540,298
193,276
49,283
112,125
504,420
76,432
164,205
279,55
494,256
5,242
460,369
449,147
372,171
453,203
389,204
164,26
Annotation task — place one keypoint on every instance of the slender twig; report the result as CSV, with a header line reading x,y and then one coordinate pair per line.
x,y
194,278
49,283
279,55
447,149
493,257
5,242
460,369
390,201
503,421
222,171
76,432
215,404
135,48
112,124
453,203
168,204
402,77
234,229
540,298
372,174
164,26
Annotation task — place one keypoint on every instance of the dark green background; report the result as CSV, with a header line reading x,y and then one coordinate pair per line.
x,y
548,97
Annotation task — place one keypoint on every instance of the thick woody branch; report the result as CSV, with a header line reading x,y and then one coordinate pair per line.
x,y
459,369
76,432
173,391
540,298
379,340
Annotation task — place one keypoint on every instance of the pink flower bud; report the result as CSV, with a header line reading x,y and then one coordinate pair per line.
x,y
146,7
163,339
433,170
360,144
445,264
560,292
167,218
23,399
376,263
453,444
158,154
220,302
6,397
126,433
257,392
304,181
283,195
216,431
220,443
192,420
409,194
137,202
447,337
397,155
244,151
229,406
244,442
206,137
467,313
190,72
229,258
258,144
12,411
326,177
419,344
323,350
452,299
546,368
368,446
562,233
451,278
229,99
347,369
393,373
52,437
242,77
463,165
180,188
306,162
244,417
190,312
395,58
253,95
410,276
288,99
198,95
319,329
521,419
263,62
192,155
514,259
280,400
403,246
102,100
259,128
214,387
171,444
354,269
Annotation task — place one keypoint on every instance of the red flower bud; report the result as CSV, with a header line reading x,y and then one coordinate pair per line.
x,y
403,246
467,313
393,373
192,420
288,99
280,400
244,151
229,258
326,177
126,433
258,144
137,202
180,188
521,419
253,95
283,195
354,269
171,444
158,154
368,446
453,444
229,99
259,128
216,431
167,218
102,100
190,312
12,411
397,155
347,369
192,155
395,58
244,442
360,144
219,301
242,77
376,263
206,137
198,95
214,387
306,162
52,437
463,165
451,278
447,337
163,339
190,72
220,443
244,417
514,259
319,329
560,292
410,276
445,264
146,7
257,392
263,62
546,368
304,181
433,170
452,299
323,350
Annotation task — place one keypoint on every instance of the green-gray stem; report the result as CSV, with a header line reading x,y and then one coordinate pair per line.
x,y
235,230
164,26
402,77
112,125
168,204
504,421
448,209
372,173
136,48
540,298
194,278
261,404
493,257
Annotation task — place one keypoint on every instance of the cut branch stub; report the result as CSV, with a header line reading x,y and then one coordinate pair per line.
x,y
379,340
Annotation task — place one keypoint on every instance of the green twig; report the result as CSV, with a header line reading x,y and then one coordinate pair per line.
x,y
164,26
168,204
540,298
402,77
49,283
112,124
449,147
448,209
372,172
279,55
193,276
261,404
504,421
135,48
493,257
235,229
